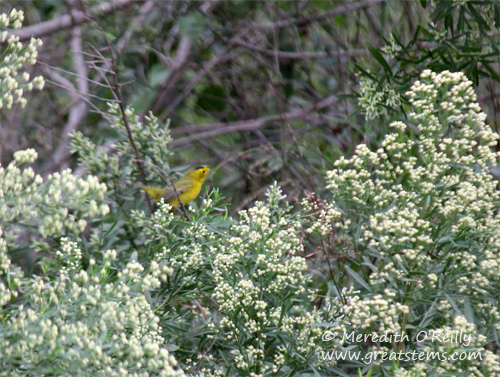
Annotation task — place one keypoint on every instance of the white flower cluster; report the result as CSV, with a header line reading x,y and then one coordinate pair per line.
x,y
156,226
58,205
372,99
391,48
427,208
152,138
407,178
116,169
254,270
459,338
185,250
379,314
86,323
52,208
97,161
327,218
15,56
10,275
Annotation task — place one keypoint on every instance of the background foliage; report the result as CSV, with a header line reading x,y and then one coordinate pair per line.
x,y
260,92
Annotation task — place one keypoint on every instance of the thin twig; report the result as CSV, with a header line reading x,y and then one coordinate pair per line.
x,y
179,65
281,107
207,67
68,20
50,68
202,132
116,89
290,55
124,40
63,83
160,172
78,111
300,21
138,20
342,298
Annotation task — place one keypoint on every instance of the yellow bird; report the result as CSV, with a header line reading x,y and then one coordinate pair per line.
x,y
188,187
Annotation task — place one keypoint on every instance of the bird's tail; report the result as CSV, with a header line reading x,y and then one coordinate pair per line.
x,y
154,192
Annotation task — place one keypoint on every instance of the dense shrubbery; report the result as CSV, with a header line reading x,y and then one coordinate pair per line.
x,y
409,232
423,211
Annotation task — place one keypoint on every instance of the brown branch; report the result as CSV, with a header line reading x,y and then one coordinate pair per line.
x,y
78,111
137,21
124,40
279,103
304,54
300,21
116,90
206,68
201,132
372,22
69,20
179,65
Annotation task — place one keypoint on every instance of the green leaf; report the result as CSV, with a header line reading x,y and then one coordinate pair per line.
x,y
157,75
497,16
468,311
493,74
357,278
212,98
441,11
461,20
378,55
481,23
192,25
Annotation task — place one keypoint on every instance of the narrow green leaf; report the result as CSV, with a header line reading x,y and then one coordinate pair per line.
x,y
357,278
481,23
493,74
377,55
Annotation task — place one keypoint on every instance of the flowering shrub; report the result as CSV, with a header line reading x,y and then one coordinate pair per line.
x,y
28,201
84,313
261,292
16,56
423,209
247,283
72,319
372,99
85,322
410,239
118,169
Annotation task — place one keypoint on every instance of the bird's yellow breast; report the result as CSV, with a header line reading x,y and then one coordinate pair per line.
x,y
190,194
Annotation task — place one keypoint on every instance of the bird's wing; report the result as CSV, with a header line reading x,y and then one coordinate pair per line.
x,y
181,186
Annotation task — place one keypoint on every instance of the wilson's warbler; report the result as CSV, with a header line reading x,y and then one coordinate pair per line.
x,y
188,187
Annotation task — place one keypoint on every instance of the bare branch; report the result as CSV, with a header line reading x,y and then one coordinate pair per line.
x,y
207,66
117,92
146,8
308,19
202,132
304,54
69,20
78,111
179,65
